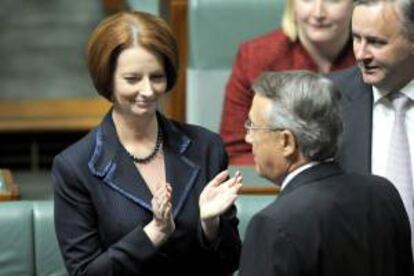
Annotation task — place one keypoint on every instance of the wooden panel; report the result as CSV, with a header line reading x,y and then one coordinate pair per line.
x,y
114,6
73,114
175,12
83,114
45,75
42,49
259,190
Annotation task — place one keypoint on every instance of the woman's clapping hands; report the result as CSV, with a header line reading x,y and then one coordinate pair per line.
x,y
162,224
219,194
215,199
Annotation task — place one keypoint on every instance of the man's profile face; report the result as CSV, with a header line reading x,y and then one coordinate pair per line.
x,y
382,49
266,144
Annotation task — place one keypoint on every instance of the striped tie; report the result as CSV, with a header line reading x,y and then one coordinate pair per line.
x,y
399,158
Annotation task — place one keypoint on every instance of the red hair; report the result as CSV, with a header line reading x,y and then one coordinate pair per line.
x,y
124,30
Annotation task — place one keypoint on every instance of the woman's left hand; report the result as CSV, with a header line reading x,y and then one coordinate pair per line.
x,y
219,195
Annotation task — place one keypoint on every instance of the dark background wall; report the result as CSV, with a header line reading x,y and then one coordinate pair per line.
x,y
42,48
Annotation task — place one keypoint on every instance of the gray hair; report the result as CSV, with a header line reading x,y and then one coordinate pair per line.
x,y
406,7
307,104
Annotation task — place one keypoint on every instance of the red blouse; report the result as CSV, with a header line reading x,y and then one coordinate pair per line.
x,y
270,52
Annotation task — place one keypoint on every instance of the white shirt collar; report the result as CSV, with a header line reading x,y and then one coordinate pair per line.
x,y
408,90
297,171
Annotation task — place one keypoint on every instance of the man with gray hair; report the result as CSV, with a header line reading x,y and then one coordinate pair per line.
x,y
325,221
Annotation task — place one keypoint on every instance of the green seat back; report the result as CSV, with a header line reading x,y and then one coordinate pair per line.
x,y
16,239
48,258
216,28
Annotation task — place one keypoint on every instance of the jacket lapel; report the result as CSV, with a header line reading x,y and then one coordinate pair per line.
x,y
357,112
111,163
181,172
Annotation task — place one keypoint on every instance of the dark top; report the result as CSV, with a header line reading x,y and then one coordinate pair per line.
x,y
102,204
327,222
357,104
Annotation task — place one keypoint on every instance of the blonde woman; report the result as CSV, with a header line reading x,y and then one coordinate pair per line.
x,y
315,35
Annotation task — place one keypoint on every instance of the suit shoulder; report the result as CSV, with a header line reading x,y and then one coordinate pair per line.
x,y
344,76
268,216
288,221
367,180
377,184
351,84
80,149
281,211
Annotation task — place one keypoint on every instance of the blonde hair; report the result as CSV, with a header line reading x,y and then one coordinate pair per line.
x,y
289,26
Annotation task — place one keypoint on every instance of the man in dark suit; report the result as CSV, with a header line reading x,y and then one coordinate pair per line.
x,y
384,50
325,221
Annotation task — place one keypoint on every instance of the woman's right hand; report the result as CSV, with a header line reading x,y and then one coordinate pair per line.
x,y
162,224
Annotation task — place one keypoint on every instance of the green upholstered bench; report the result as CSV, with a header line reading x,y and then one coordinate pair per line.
x,y
216,28
28,244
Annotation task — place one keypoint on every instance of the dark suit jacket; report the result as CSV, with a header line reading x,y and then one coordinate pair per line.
x,y
326,222
355,152
102,204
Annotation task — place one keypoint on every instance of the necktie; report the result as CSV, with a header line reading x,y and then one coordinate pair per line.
x,y
399,158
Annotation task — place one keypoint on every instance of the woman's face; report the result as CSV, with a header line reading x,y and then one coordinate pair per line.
x,y
321,21
139,82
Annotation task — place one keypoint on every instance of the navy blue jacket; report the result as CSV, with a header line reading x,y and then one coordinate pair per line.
x,y
102,204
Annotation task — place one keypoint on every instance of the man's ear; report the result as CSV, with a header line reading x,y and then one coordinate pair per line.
x,y
289,144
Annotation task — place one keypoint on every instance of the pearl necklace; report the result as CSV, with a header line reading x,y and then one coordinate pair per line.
x,y
152,155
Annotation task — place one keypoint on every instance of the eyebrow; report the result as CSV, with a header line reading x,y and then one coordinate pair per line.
x,y
368,37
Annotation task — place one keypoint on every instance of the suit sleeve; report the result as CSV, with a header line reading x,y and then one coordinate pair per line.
x,y
224,251
268,250
237,101
77,231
